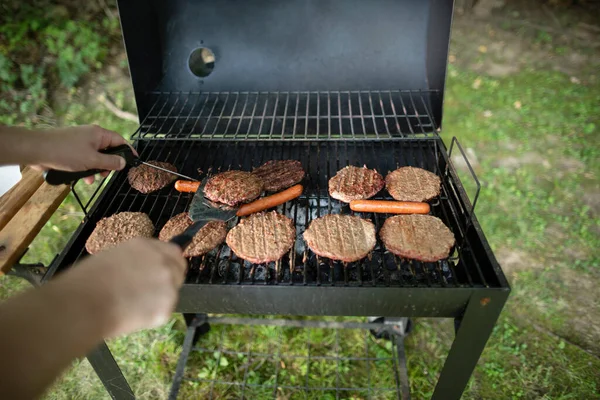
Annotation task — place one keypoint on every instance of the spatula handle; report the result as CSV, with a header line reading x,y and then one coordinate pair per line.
x,y
58,177
186,237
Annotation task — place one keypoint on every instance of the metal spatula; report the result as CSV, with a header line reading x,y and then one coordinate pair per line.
x,y
201,212
57,177
202,209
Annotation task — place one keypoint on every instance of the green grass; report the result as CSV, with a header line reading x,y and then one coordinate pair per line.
x,y
536,136
290,365
554,139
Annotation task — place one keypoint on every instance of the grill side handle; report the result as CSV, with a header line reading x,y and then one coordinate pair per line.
x,y
471,170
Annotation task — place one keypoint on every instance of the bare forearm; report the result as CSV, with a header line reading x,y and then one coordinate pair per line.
x,y
42,331
20,146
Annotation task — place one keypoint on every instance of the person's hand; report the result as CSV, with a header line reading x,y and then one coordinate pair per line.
x,y
76,149
136,283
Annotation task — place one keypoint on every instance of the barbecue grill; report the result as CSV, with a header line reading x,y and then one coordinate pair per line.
x,y
229,85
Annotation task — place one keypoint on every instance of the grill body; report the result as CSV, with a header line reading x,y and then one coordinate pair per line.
x,y
329,83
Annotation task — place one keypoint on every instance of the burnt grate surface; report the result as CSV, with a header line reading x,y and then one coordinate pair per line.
x,y
331,115
321,160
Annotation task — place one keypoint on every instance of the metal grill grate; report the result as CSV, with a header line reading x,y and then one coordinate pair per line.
x,y
332,115
310,359
321,160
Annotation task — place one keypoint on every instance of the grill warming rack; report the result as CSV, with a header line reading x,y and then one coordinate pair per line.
x,y
332,115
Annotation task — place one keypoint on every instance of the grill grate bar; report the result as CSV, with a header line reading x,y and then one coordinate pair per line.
x,y
331,115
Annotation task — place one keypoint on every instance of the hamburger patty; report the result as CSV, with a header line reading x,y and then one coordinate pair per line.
x,y
341,237
262,237
119,228
420,237
233,187
354,183
175,226
279,174
412,184
146,179
208,237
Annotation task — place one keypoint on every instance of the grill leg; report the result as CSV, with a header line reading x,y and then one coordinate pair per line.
x,y
477,324
403,370
109,373
196,325
200,322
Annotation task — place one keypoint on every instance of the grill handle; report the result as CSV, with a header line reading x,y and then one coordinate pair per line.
x,y
471,170
56,177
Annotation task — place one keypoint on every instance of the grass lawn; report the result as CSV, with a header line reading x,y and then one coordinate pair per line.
x,y
534,139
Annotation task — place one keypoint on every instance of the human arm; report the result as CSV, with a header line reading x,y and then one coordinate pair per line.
x,y
130,287
68,149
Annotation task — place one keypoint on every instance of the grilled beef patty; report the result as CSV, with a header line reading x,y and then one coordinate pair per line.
x,y
262,237
341,237
119,228
233,187
175,226
354,183
279,174
412,184
208,237
146,179
419,237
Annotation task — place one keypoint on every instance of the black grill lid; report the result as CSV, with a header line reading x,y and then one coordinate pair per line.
x,y
286,45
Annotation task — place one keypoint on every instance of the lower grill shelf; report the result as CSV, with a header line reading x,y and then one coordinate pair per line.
x,y
280,358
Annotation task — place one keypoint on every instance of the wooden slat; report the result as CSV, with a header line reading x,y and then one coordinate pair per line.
x,y
13,200
20,231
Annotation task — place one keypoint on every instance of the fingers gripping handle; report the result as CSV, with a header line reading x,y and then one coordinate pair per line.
x,y
57,177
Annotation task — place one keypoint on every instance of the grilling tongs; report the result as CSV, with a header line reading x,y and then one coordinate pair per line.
x,y
57,177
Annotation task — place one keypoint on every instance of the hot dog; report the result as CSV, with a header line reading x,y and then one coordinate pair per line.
x,y
270,201
187,186
389,207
